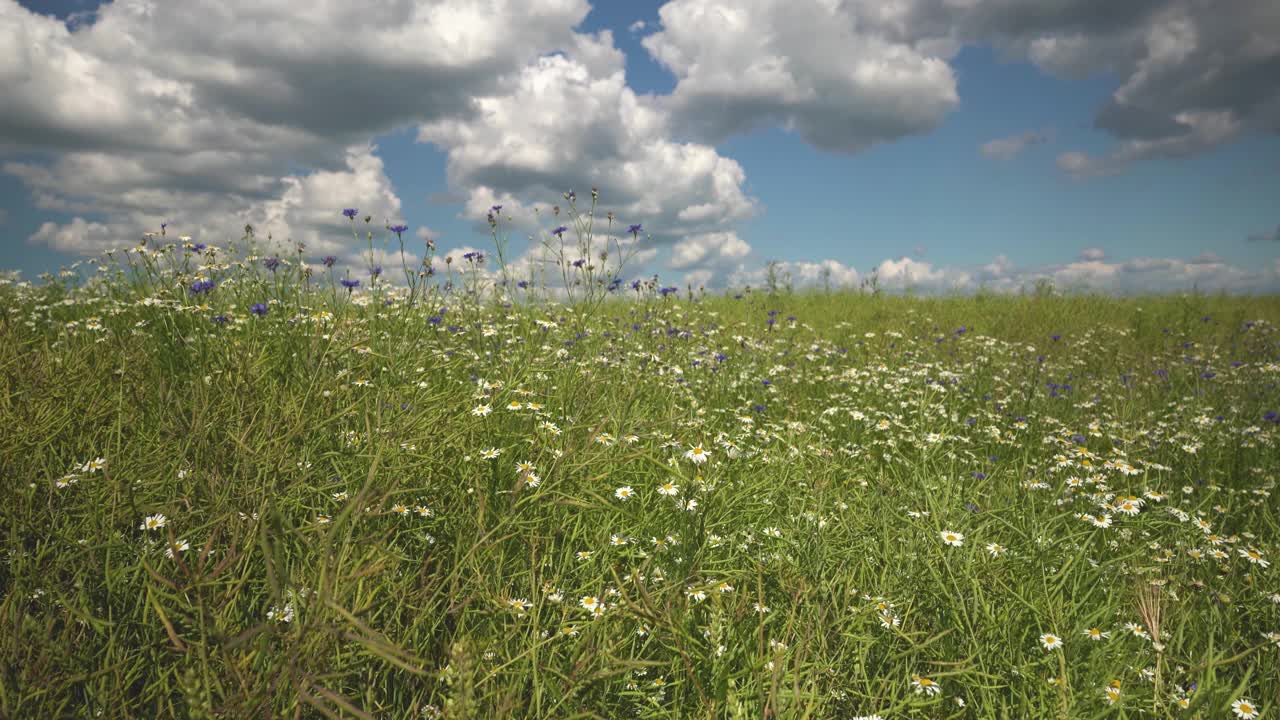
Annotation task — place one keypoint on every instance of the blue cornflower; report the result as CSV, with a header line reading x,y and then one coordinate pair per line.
x,y
258,309
199,247
523,284
329,260
397,229
201,286
271,263
560,231
219,319
350,284
376,270
496,208
635,229
350,213
579,263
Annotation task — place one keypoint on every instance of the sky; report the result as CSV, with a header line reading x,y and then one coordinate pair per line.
x,y
936,145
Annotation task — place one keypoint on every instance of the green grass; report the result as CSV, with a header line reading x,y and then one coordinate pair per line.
x,y
841,445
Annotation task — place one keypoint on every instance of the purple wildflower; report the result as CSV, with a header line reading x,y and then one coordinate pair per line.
x,y
350,213
258,309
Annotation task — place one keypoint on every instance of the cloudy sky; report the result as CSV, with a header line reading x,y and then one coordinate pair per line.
x,y
941,144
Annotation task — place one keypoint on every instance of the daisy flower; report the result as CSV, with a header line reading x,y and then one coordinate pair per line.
x,y
153,522
996,549
481,410
697,455
1050,641
1096,634
1254,555
925,686
952,538
669,489
1112,692
179,546
1244,708
624,493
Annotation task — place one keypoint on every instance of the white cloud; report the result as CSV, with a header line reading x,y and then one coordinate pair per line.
x,y
708,248
800,274
306,208
1010,147
818,67
637,26
570,121
197,113
1093,254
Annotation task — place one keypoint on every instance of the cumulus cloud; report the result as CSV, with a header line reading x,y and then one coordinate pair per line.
x,y
1206,272
204,109
1192,76
303,208
569,120
846,75
812,66
1010,147
708,248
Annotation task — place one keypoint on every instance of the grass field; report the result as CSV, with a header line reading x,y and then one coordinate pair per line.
x,y
270,495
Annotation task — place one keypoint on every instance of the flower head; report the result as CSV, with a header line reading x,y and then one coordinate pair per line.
x,y
951,538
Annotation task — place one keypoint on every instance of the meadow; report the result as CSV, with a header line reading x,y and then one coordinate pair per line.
x,y
237,487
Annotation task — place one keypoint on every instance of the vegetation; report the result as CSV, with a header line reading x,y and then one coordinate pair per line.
x,y
235,487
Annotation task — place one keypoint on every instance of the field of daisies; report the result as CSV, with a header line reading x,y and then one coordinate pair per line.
x,y
245,484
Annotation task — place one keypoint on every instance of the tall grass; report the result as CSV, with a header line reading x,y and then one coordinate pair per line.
x,y
448,501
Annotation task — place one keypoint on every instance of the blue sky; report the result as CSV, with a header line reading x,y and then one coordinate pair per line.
x,y
865,169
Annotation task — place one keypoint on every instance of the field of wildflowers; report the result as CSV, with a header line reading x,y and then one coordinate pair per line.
x,y
241,486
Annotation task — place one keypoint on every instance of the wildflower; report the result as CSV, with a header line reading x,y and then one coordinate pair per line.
x,y
1112,692
1254,556
1136,629
590,602
624,493
481,410
1244,708
996,549
1050,641
350,213
258,309
697,455
153,522
584,554
668,488
761,608
177,547
1096,634
953,539
490,454
400,509
925,686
